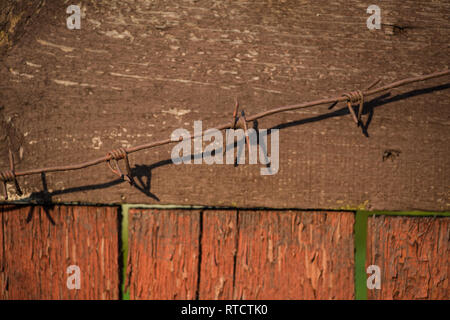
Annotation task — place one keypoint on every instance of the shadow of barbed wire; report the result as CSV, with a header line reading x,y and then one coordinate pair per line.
x,y
42,198
45,200
368,111
142,173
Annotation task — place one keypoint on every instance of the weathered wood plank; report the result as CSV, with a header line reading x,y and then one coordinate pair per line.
x,y
295,255
37,249
163,254
136,71
219,249
413,254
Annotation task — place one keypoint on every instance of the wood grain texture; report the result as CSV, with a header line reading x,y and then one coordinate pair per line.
x,y
251,255
163,254
295,255
136,71
413,254
219,250
37,249
15,15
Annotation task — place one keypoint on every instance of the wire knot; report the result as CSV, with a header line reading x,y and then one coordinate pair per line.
x,y
353,98
116,155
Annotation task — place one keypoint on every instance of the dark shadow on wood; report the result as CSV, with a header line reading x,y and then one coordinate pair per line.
x,y
368,110
42,198
45,199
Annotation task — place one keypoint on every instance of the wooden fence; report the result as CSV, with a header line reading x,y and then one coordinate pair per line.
x,y
220,254
136,71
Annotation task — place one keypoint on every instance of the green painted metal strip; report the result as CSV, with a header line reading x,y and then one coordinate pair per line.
x,y
408,213
360,255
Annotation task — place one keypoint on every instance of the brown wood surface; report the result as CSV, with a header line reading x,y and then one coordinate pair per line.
x,y
138,70
245,255
413,254
36,249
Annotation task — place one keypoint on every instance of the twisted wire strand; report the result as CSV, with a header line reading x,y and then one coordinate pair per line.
x,y
122,153
116,155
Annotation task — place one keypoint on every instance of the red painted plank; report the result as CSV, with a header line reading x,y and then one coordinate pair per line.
x,y
219,242
295,255
36,251
163,254
250,255
413,255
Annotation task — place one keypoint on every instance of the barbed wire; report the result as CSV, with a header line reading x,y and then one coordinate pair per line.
x,y
352,98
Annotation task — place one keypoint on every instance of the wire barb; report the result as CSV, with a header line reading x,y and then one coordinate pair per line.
x,y
10,176
235,115
240,122
116,155
244,122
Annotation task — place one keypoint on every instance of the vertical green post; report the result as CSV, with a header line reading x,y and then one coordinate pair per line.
x,y
360,255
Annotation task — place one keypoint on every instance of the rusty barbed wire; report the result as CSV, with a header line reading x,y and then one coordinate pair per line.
x,y
10,175
352,98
